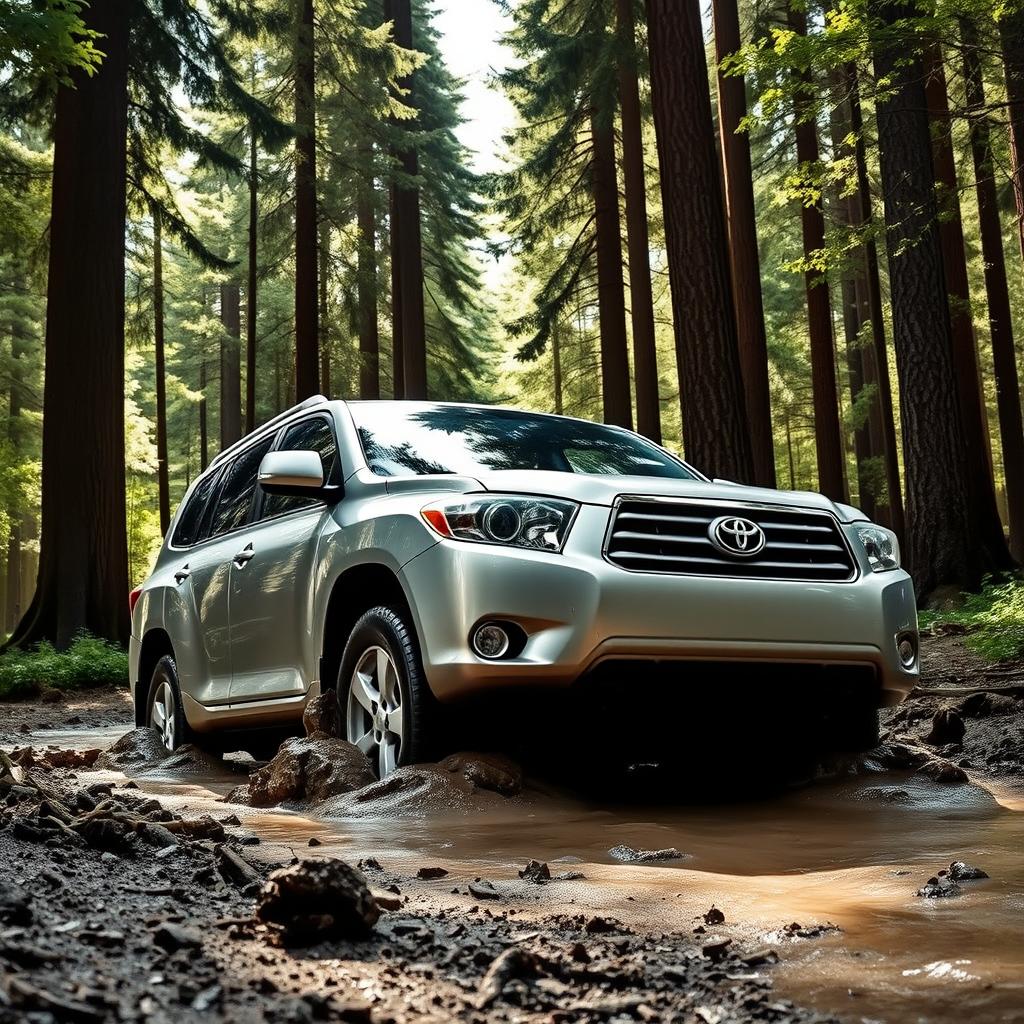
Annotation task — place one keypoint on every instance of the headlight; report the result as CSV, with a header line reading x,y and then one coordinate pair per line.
x,y
881,547
522,522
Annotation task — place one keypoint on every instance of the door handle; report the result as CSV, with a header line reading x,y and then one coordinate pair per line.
x,y
243,556
182,574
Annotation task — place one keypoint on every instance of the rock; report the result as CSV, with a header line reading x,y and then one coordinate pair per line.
x,y
628,855
318,899
483,890
947,727
716,949
599,925
310,768
387,900
537,872
171,937
238,795
961,872
714,916
231,819
514,962
322,716
28,997
30,757
233,868
938,887
134,749
313,841
986,705
760,957
945,772
431,872
487,771
886,794
15,905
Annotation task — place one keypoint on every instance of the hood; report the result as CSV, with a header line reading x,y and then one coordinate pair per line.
x,y
603,490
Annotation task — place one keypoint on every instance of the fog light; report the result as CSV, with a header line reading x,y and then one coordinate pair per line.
x,y
907,648
490,641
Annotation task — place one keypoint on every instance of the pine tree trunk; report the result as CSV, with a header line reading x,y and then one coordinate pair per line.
x,y
1011,37
876,364
307,375
410,244
1000,315
162,471
641,301
204,432
827,435
715,426
251,290
230,365
13,583
556,365
83,564
325,337
746,264
945,544
981,487
366,284
610,297
397,348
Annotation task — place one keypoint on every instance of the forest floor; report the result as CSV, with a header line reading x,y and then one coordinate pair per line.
x,y
130,888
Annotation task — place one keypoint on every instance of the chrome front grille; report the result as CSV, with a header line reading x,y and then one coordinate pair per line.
x,y
667,536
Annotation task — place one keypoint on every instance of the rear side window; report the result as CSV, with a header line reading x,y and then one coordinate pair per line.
x,y
190,522
312,435
239,486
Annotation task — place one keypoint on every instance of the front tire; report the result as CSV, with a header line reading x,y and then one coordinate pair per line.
x,y
164,710
383,694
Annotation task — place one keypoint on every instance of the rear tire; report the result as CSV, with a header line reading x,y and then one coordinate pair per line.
x,y
387,709
164,710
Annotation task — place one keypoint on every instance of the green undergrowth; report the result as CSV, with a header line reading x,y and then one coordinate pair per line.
x,y
88,663
992,620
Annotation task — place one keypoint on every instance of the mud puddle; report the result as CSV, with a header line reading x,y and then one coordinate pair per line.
x,y
851,853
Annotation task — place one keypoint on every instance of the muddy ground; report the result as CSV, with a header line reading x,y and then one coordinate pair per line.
x,y
132,888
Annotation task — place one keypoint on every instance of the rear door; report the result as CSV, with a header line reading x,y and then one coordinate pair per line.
x,y
272,592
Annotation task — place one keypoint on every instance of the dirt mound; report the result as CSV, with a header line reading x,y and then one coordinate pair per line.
x,y
311,768
141,752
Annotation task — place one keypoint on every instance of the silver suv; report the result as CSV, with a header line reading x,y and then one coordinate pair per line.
x,y
411,554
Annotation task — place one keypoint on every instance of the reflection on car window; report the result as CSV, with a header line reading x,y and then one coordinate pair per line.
x,y
312,435
403,438
239,485
187,530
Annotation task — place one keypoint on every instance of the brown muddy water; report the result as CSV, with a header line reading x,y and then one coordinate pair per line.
x,y
851,852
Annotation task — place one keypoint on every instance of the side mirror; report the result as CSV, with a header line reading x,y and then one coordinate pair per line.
x,y
298,473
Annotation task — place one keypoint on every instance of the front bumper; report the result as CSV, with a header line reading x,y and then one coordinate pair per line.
x,y
579,610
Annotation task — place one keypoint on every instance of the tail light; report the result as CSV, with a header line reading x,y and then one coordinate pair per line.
x,y
133,599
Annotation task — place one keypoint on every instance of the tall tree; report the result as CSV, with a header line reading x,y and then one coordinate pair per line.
x,y
159,362
307,371
945,546
715,426
1011,37
230,364
1000,315
641,301
407,247
366,271
981,488
252,284
746,264
83,566
827,435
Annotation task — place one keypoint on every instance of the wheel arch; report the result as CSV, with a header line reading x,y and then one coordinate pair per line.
x,y
356,591
156,644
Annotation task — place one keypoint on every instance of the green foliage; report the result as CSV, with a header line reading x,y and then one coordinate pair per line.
x,y
993,618
46,40
86,664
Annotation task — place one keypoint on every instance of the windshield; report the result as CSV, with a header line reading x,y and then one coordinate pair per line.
x,y
403,438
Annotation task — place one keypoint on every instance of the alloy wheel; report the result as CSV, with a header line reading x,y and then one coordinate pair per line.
x,y
162,714
374,717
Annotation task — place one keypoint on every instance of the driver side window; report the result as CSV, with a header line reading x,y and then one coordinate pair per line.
x,y
312,435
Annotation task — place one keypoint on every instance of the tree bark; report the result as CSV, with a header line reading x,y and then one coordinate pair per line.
x,y
83,565
1011,37
325,337
981,487
230,365
307,380
945,544
746,264
410,243
877,366
163,482
1000,315
610,297
715,425
556,365
366,272
204,432
13,578
251,289
641,301
827,434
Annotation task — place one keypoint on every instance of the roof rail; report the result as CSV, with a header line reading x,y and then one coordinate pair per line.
x,y
308,403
